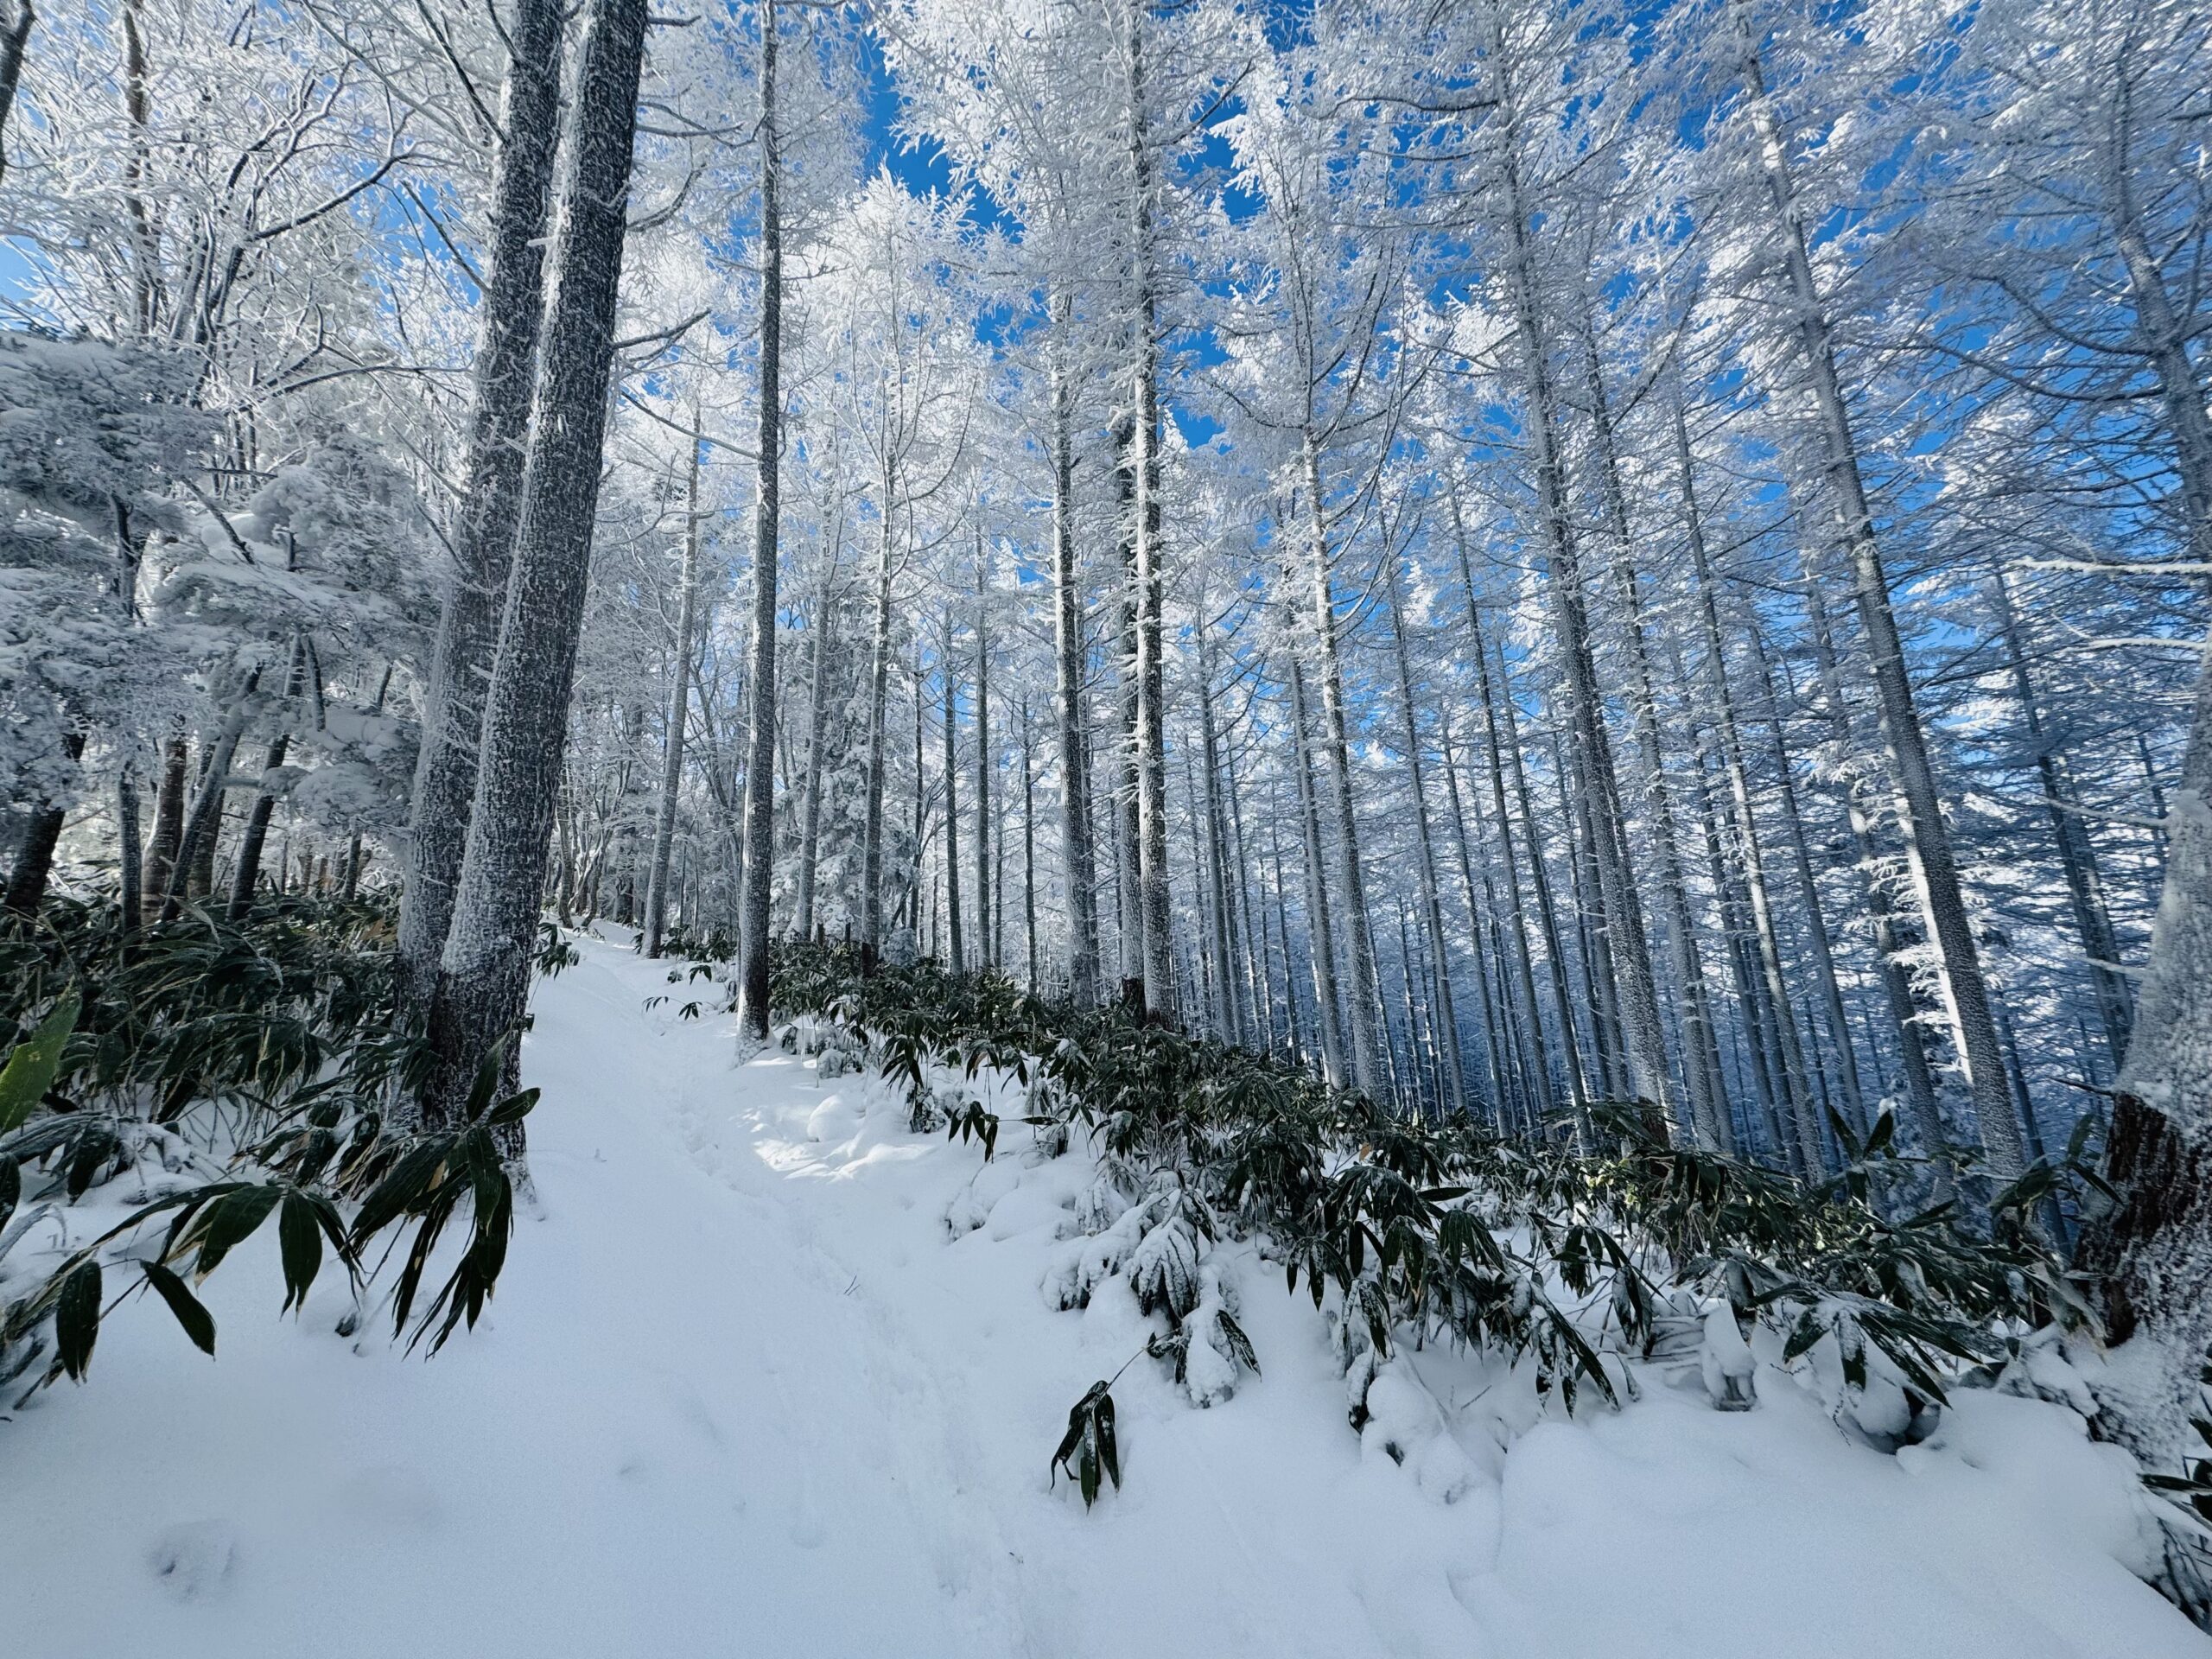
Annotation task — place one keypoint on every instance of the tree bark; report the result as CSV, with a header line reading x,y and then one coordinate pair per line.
x,y
1078,851
1928,842
767,549
204,822
1366,997
34,860
1447,1017
952,804
15,37
130,869
679,708
1321,943
1159,989
468,626
483,983
247,876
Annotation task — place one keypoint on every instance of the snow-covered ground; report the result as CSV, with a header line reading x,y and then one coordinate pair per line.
x,y
745,1391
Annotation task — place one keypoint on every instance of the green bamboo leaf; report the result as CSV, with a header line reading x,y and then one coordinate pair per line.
x,y
198,1323
34,1062
77,1318
300,1239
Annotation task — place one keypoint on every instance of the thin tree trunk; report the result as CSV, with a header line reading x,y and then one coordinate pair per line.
x,y
469,624
1570,1044
817,738
248,873
204,822
1700,1055
1028,850
169,817
1797,1090
760,769
1152,710
1365,995
130,868
878,742
1816,931
1321,942
1447,1017
1897,981
987,952
2078,859
679,712
1649,1079
1928,842
952,803
1079,861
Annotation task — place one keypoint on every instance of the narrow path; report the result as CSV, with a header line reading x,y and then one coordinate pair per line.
x,y
746,1390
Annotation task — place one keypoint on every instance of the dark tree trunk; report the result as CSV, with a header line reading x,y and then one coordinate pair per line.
x,y
468,628
168,819
483,981
34,863
760,763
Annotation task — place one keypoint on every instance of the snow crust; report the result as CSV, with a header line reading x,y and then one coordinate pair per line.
x,y
772,1375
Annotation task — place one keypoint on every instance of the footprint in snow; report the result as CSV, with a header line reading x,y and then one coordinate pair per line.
x,y
192,1559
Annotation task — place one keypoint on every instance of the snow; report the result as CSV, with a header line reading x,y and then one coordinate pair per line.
x,y
773,1375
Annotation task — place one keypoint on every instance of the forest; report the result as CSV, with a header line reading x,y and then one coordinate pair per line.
x,y
1536,663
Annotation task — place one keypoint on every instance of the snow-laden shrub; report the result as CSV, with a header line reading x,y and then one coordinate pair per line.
x,y
170,1090
1573,1262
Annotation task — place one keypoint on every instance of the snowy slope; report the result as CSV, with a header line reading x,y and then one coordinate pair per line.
x,y
745,1391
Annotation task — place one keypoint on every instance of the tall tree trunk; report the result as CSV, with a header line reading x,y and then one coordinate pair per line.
x,y
1700,1054
1500,706
1079,862
1921,1102
1321,943
1336,752
1810,1157
1152,710
817,737
483,983
952,802
1649,1079
1481,913
768,551
468,626
1028,852
987,950
1447,1017
2078,859
1128,824
1928,842
2154,1252
1815,920
679,711
878,742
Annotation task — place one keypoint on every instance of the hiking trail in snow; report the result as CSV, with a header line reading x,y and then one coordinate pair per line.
x,y
771,1375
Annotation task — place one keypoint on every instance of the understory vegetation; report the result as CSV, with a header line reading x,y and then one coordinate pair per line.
x,y
170,1089
1577,1251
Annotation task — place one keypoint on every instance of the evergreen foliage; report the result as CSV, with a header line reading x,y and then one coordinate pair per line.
x,y
1580,1258
240,1072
